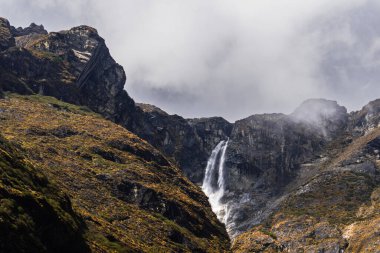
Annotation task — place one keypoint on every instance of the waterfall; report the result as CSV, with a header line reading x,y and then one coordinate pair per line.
x,y
214,182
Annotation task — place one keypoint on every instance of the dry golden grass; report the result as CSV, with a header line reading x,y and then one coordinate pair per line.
x,y
75,148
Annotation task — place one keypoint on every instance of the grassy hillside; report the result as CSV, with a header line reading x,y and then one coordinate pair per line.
x,y
34,215
130,196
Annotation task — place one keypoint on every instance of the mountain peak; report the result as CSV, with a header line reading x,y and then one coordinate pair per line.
x,y
322,114
33,28
318,106
84,30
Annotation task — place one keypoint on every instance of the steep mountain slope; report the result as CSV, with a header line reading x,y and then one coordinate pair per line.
x,y
131,197
34,215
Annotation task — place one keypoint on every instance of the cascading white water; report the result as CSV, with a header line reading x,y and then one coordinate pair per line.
x,y
214,182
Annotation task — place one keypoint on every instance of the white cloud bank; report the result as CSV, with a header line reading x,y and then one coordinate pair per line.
x,y
229,58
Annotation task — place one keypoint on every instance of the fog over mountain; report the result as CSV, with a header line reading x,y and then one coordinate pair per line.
x,y
229,58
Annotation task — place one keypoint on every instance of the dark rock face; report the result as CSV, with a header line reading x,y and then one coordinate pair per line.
x,y
271,146
211,131
265,154
188,142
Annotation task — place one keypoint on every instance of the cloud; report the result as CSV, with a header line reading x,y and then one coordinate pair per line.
x,y
229,58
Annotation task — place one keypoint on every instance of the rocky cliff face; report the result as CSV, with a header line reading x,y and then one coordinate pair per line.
x,y
263,158
211,131
188,142
265,153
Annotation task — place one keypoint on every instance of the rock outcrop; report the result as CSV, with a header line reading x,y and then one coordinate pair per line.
x,y
73,65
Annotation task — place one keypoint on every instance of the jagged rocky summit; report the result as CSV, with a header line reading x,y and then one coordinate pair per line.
x,y
307,181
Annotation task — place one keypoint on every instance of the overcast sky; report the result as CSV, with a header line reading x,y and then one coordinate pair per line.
x,y
229,58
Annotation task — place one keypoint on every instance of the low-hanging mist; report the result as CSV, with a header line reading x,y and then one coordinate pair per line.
x,y
229,58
